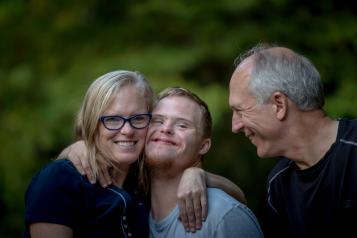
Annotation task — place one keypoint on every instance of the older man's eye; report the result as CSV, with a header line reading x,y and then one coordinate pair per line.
x,y
238,113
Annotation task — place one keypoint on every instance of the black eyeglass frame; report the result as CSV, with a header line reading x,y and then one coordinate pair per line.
x,y
125,119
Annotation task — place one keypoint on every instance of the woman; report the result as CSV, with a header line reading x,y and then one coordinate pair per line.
x,y
113,119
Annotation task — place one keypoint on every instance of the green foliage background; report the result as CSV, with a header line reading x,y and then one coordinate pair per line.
x,y
50,51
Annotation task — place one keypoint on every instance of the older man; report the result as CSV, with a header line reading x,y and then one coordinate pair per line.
x,y
277,100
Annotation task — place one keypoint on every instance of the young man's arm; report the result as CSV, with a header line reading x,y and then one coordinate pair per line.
x,y
77,154
217,181
192,197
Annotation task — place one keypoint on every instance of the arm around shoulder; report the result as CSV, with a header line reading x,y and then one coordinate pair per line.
x,y
217,181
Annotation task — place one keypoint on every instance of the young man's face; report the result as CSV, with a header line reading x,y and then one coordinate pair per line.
x,y
256,121
175,137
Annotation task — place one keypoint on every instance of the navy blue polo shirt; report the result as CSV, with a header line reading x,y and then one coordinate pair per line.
x,y
59,194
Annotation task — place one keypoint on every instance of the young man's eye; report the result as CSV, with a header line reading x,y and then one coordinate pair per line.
x,y
182,125
156,121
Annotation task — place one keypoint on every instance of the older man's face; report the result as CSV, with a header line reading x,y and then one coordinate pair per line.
x,y
256,121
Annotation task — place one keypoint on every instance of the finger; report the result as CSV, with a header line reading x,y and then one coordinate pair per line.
x,y
107,176
86,167
78,164
197,211
190,214
104,177
183,215
204,206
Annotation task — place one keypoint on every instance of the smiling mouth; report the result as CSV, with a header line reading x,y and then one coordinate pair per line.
x,y
250,136
164,141
125,143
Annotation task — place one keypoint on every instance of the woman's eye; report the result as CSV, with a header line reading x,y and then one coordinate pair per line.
x,y
110,119
113,119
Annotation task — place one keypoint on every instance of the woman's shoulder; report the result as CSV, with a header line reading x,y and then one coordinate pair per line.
x,y
60,167
57,173
55,194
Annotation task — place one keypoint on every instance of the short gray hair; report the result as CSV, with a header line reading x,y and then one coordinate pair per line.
x,y
292,74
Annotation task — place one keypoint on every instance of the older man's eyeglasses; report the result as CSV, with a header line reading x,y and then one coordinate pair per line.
x,y
138,121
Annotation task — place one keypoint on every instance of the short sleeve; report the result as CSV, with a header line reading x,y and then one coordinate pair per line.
x,y
239,222
54,195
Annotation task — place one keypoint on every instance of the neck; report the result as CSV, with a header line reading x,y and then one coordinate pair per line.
x,y
311,136
119,175
163,195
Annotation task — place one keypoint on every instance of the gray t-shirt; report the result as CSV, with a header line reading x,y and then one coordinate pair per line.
x,y
227,217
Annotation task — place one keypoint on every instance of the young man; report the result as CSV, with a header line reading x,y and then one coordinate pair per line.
x,y
178,138
277,100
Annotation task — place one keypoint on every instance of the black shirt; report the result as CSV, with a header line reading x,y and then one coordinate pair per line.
x,y
59,194
319,201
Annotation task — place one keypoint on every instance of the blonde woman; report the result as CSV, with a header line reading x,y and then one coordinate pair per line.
x,y
113,121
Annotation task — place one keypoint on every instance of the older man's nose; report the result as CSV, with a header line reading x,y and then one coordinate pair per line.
x,y
237,124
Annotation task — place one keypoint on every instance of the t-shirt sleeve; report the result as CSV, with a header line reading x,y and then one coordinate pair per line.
x,y
239,222
54,195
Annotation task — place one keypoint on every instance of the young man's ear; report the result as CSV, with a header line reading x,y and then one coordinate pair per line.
x,y
205,146
280,104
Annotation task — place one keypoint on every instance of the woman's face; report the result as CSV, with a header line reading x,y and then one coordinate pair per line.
x,y
123,146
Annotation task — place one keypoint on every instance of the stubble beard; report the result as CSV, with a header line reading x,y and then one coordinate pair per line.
x,y
159,167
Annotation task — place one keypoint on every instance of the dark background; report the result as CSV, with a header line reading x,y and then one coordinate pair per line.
x,y
50,51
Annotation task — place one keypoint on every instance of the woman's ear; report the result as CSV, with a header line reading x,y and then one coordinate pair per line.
x,y
280,104
205,146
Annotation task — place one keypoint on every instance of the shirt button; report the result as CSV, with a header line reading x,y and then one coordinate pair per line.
x,y
124,218
129,234
125,226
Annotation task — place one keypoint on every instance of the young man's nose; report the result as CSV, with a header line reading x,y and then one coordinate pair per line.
x,y
167,128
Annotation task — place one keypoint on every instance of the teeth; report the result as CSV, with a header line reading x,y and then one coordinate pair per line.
x,y
125,143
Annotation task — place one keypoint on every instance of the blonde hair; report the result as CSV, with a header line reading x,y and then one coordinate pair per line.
x,y
97,100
